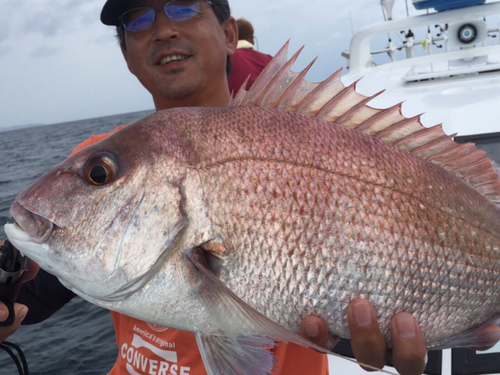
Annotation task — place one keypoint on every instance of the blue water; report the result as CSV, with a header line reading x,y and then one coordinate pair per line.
x,y
78,339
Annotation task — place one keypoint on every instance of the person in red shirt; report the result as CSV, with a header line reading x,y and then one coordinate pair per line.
x,y
246,61
180,51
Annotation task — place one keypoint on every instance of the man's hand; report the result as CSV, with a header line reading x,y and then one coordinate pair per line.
x,y
409,353
19,309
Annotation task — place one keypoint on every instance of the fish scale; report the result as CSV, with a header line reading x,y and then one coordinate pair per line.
x,y
257,180
236,223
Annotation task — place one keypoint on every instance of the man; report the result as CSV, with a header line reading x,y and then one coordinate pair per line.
x,y
180,51
246,61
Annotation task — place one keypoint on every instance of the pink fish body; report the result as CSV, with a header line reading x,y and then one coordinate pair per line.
x,y
236,223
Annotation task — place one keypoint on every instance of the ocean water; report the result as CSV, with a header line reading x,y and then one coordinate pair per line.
x,y
79,338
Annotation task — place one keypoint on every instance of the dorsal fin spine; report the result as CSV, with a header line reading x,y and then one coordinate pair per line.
x,y
451,154
306,105
349,118
271,87
473,169
488,179
434,147
278,87
265,76
287,99
327,111
240,95
383,119
418,137
399,130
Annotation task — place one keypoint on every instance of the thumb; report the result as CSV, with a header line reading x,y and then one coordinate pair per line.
x,y
20,313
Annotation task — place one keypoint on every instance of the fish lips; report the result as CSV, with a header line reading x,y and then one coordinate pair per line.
x,y
37,227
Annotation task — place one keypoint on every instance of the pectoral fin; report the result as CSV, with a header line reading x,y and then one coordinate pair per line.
x,y
246,335
234,316
236,356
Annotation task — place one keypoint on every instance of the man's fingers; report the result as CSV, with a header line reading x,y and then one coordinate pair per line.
x,y
315,330
367,342
409,353
4,312
20,311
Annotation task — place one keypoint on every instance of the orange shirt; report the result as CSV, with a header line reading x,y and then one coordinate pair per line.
x,y
94,139
148,349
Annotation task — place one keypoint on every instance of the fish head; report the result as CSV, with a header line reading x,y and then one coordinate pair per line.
x,y
105,218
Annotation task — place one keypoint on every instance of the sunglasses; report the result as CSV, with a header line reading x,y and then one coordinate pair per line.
x,y
139,19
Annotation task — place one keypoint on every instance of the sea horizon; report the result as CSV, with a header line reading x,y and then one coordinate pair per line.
x,y
6,128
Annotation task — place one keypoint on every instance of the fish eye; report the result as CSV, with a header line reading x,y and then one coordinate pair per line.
x,y
100,169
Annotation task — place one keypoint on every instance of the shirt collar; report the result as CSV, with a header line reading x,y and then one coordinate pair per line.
x,y
242,43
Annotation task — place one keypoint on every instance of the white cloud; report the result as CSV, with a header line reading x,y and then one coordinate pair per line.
x,y
57,55
59,63
44,52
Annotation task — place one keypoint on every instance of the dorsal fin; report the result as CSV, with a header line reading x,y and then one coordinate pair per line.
x,y
281,88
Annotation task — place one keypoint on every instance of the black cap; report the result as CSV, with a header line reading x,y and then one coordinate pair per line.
x,y
112,10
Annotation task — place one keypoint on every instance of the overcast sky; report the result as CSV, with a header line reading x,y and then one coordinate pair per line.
x,y
59,63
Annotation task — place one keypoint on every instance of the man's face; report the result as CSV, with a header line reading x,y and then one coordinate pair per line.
x,y
182,63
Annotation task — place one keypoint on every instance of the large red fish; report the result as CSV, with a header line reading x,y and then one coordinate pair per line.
x,y
235,223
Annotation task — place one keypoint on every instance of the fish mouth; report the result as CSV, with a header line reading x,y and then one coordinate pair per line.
x,y
30,226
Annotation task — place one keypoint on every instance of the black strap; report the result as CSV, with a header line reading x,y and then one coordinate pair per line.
x,y
22,365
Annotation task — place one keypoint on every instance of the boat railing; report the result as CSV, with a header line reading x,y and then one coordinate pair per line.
x,y
456,42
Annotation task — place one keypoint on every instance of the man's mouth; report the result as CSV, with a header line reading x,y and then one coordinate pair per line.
x,y
169,59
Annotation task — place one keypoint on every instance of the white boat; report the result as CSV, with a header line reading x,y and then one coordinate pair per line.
x,y
448,65
445,62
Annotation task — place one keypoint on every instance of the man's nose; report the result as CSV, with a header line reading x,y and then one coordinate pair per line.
x,y
164,27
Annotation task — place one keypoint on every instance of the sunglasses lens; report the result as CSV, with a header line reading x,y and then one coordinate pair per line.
x,y
182,10
138,19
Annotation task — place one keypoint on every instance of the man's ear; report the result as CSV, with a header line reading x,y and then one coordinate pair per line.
x,y
231,32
